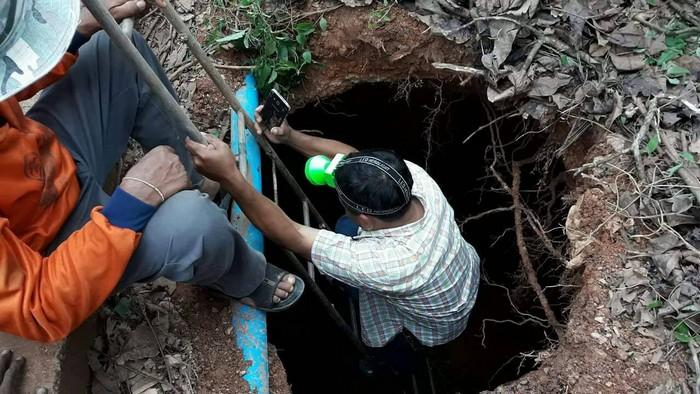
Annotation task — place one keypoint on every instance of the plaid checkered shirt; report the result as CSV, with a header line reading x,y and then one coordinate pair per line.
x,y
422,276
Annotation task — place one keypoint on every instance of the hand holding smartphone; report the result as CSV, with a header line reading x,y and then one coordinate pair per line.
x,y
275,110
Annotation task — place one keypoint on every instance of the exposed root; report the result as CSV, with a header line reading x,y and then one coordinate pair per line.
x,y
525,256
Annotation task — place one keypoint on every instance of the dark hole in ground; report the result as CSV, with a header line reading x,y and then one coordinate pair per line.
x,y
315,354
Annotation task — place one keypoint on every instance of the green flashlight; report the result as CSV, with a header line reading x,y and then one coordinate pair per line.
x,y
320,170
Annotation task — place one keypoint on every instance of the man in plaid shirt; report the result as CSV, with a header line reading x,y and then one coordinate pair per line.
x,y
413,269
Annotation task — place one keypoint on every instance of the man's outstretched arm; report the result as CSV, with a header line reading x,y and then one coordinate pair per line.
x,y
215,161
307,144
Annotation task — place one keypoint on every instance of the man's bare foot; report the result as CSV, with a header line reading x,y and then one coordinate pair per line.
x,y
284,288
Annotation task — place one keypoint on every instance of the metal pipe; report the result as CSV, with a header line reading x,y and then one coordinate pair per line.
x,y
174,18
169,105
332,312
307,222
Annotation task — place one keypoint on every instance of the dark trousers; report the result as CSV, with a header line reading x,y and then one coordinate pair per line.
x,y
94,110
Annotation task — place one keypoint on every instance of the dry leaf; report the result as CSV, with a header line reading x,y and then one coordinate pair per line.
x,y
645,82
577,12
629,36
547,86
657,45
494,95
627,62
597,50
503,33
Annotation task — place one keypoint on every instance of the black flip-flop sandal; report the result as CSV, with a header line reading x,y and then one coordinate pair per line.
x,y
262,296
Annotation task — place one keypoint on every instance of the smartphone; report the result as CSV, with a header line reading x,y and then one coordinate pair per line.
x,y
275,110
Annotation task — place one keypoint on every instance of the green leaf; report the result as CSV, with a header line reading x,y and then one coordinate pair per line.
x,y
656,304
263,73
304,28
674,169
652,3
675,42
652,144
270,46
697,52
307,57
564,60
123,307
323,24
246,41
668,55
675,71
232,37
688,156
283,53
682,333
673,81
273,77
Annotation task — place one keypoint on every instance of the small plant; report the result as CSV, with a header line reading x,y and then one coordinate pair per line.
x,y
683,333
676,46
656,304
380,16
282,46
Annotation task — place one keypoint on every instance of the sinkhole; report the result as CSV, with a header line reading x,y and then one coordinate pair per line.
x,y
426,121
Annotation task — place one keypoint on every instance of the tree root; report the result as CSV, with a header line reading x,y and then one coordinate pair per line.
x,y
525,256
650,112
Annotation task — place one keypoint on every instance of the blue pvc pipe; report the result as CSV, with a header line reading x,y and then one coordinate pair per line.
x,y
249,324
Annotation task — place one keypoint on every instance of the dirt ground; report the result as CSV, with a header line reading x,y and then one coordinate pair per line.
x,y
220,365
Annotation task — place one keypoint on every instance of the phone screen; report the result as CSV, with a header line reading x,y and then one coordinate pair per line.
x,y
275,110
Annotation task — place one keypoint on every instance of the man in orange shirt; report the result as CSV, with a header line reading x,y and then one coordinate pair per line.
x,y
65,245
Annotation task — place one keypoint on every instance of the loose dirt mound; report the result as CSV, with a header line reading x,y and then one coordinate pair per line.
x,y
350,51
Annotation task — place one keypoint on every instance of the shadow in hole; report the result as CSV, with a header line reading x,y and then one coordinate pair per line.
x,y
317,357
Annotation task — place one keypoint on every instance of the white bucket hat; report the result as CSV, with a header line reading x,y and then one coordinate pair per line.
x,y
34,35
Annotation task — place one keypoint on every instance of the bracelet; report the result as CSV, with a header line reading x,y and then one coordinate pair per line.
x,y
162,197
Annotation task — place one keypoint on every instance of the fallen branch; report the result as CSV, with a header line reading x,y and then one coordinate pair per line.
x,y
460,69
294,18
684,13
639,18
160,346
531,55
228,67
525,256
651,111
690,180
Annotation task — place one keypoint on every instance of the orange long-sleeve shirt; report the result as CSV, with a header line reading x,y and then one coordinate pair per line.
x,y
46,297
